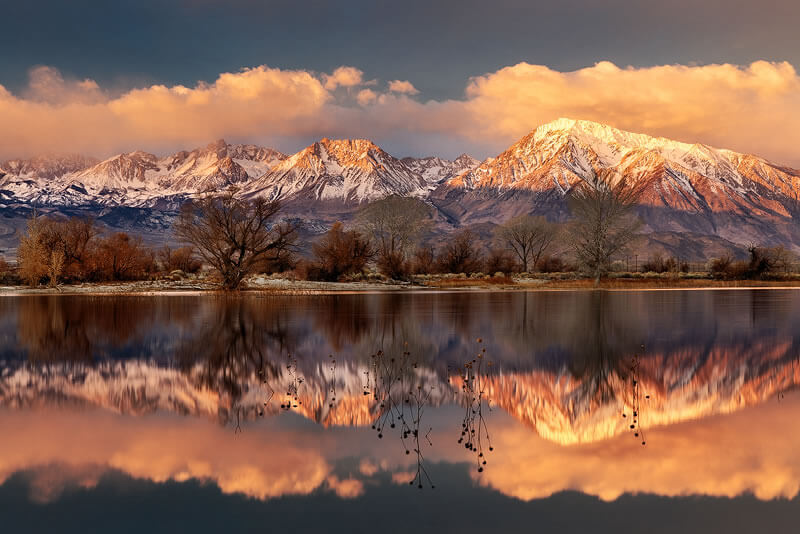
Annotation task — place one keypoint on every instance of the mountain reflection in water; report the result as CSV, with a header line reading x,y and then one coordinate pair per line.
x,y
527,390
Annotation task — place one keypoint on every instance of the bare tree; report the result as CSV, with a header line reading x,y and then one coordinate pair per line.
x,y
341,252
234,235
604,221
460,254
529,237
395,223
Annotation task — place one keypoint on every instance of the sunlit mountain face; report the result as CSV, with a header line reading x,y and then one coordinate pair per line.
x,y
697,201
346,397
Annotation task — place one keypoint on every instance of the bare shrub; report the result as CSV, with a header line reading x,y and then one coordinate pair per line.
x,y
658,264
179,259
461,254
393,265
339,252
768,261
424,260
500,261
553,264
764,262
721,267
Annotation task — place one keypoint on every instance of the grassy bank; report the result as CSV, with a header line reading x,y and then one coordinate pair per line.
x,y
555,281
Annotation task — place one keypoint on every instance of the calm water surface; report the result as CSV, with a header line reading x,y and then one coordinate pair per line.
x,y
659,411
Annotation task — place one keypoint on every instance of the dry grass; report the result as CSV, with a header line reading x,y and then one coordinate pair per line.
x,y
492,281
664,283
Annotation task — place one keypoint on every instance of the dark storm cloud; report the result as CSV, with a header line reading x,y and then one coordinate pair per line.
x,y
437,44
123,504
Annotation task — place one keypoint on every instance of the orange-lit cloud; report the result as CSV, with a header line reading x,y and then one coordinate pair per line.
x,y
753,109
159,449
751,451
348,488
67,116
366,96
343,77
403,86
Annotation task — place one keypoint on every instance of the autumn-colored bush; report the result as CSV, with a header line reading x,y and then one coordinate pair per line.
x,y
122,257
461,254
554,264
339,252
178,259
658,264
393,265
70,250
764,262
423,260
500,261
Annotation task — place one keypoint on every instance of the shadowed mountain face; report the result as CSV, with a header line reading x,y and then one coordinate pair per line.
x,y
697,200
566,365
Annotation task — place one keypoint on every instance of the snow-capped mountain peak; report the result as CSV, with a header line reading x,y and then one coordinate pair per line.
x,y
354,170
436,170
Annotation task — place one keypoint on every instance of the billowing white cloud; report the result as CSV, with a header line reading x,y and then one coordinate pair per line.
x,y
754,109
402,86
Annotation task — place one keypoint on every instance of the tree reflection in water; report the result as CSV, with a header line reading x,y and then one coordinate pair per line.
x,y
568,365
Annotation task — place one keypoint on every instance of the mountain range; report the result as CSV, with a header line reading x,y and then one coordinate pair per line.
x,y
697,200
674,387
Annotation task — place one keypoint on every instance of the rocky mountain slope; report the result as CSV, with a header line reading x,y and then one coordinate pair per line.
x,y
345,170
718,198
687,187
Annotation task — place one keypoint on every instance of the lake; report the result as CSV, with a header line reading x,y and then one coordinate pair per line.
x,y
551,411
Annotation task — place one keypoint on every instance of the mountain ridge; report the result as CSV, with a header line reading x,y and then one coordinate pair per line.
x,y
688,188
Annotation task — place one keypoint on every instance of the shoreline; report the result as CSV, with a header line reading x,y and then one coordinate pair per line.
x,y
299,288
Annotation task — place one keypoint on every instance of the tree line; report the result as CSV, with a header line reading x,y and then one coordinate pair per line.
x,y
55,251
238,237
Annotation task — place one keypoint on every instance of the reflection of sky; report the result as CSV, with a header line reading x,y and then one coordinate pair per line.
x,y
559,378
750,452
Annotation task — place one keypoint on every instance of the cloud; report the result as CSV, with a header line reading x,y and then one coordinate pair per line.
x,y
158,449
722,456
349,488
753,109
366,96
46,84
343,77
402,86
62,449
246,104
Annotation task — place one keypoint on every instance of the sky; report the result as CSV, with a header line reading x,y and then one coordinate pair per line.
x,y
417,77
